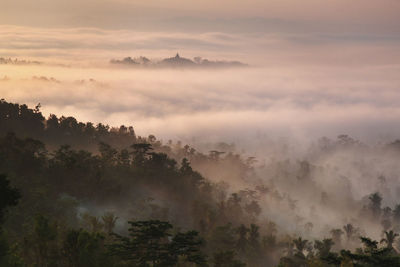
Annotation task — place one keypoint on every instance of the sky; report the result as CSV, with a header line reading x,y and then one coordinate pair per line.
x,y
315,67
306,15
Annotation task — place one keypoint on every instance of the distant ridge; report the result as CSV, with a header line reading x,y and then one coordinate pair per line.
x,y
17,61
177,62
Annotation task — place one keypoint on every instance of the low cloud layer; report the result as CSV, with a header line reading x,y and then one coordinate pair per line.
x,y
225,105
298,86
88,45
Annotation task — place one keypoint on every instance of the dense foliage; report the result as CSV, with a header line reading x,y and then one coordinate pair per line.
x,y
75,194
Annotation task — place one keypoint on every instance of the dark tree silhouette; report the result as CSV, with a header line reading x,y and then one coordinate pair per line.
x,y
149,244
8,196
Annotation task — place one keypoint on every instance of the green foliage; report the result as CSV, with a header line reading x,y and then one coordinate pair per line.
x,y
109,221
389,238
8,196
187,246
70,164
370,256
150,244
300,245
83,249
9,255
26,122
43,241
323,247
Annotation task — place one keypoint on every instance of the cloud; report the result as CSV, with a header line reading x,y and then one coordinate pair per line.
x,y
294,87
227,105
92,44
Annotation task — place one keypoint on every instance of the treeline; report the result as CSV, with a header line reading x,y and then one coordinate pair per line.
x,y
84,195
67,186
48,243
318,253
136,182
54,131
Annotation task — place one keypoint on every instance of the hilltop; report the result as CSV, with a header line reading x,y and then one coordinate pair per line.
x,y
177,62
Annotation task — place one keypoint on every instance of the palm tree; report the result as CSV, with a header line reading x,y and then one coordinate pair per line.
x,y
389,238
349,230
109,221
324,246
300,245
375,204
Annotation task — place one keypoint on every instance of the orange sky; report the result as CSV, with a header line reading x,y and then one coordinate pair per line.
x,y
308,15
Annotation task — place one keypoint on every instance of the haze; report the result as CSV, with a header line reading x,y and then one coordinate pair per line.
x,y
299,140
306,84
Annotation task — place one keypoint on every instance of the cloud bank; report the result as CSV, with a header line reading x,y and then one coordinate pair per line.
x,y
298,85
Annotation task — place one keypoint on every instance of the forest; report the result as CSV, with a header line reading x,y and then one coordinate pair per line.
x,y
77,194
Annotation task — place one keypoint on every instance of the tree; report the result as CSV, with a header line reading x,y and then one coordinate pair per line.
x,y
186,246
371,246
43,240
223,238
147,244
140,151
9,196
389,238
83,249
150,244
300,245
108,154
349,231
109,221
298,259
324,247
375,204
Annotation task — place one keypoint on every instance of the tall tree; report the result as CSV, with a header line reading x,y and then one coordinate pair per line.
x,y
349,231
389,238
9,196
300,245
323,247
150,244
375,204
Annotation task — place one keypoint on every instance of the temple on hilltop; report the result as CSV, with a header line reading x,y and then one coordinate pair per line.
x,y
177,61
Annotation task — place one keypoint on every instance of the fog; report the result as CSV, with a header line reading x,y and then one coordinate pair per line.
x,y
302,140
296,89
230,105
